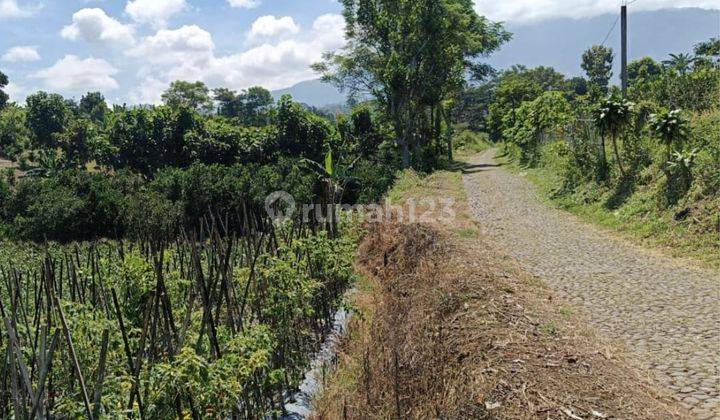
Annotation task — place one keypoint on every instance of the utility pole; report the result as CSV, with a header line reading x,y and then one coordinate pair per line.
x,y
624,71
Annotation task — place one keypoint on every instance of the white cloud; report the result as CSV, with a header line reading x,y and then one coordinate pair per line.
x,y
95,26
154,12
329,30
188,53
17,92
74,75
270,27
244,4
535,10
175,46
11,9
21,53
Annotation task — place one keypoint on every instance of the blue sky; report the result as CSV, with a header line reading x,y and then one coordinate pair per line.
x,y
132,49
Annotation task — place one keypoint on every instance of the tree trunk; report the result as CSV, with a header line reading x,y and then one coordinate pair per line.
x,y
449,130
617,155
603,160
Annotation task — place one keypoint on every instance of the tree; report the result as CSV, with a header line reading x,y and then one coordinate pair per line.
x,y
513,88
14,134
76,142
611,117
229,104
250,105
411,55
597,63
256,99
709,48
301,133
682,63
93,107
645,69
670,127
48,115
4,98
146,140
536,121
578,86
193,95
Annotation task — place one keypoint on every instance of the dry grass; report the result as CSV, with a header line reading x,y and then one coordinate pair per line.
x,y
449,328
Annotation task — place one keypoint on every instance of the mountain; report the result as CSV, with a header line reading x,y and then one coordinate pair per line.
x,y
314,93
559,43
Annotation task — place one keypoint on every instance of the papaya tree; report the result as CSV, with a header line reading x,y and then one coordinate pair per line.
x,y
611,118
671,129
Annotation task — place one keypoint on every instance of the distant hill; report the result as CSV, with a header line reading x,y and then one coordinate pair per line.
x,y
560,43
314,93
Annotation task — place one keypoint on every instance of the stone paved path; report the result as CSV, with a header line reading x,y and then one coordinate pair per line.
x,y
667,313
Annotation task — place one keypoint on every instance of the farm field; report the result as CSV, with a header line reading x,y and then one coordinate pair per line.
x,y
242,209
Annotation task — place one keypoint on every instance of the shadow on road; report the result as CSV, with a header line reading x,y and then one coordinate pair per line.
x,y
473,169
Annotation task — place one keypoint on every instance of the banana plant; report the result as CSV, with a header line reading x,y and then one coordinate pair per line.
x,y
335,177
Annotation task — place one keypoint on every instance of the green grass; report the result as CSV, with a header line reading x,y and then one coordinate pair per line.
x,y
467,233
638,217
440,184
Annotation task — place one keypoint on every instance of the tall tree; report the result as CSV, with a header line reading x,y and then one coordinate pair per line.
x,y
411,55
48,115
193,95
597,63
14,134
93,107
645,68
4,98
228,103
249,106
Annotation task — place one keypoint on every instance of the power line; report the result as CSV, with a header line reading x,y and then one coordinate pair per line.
x,y
610,31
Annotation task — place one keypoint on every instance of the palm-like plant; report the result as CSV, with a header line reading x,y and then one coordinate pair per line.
x,y
335,177
670,127
681,62
611,117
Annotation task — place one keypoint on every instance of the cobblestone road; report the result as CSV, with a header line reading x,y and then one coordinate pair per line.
x,y
668,314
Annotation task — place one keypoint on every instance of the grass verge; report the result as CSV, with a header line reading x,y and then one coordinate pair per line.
x,y
688,230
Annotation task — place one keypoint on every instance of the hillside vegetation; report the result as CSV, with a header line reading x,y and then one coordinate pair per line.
x,y
647,163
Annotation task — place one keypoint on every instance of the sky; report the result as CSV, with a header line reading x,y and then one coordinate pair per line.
x,y
130,50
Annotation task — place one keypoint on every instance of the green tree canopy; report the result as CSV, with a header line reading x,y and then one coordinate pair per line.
x,y
193,95
4,98
597,63
14,134
93,107
249,106
48,115
411,55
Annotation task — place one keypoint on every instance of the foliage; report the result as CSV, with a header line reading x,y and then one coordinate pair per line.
x,y
670,127
411,56
611,117
195,96
4,97
250,106
597,64
93,107
160,332
536,122
48,115
14,134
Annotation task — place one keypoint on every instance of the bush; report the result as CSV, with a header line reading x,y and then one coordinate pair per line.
x,y
471,141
